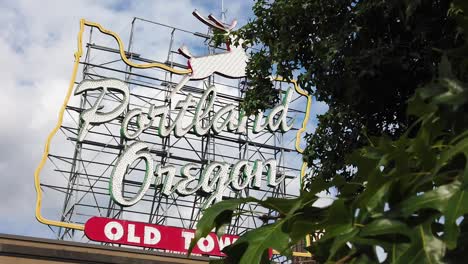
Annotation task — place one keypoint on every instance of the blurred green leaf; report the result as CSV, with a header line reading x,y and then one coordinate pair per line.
x,y
216,216
254,245
385,226
425,248
436,199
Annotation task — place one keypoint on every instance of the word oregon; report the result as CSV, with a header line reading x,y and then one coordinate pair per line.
x,y
216,176
214,179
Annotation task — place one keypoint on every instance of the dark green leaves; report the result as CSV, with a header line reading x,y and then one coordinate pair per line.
x,y
293,218
216,216
253,246
395,75
364,59
425,247
384,227
436,199
411,194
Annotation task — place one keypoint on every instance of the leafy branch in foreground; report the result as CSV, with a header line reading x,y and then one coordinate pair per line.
x,y
409,195
364,59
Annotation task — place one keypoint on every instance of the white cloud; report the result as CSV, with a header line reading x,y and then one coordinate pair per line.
x,y
37,42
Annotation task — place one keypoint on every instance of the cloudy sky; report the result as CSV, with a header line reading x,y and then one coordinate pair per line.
x,y
37,42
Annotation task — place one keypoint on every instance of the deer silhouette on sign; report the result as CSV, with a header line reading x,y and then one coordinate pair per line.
x,y
230,64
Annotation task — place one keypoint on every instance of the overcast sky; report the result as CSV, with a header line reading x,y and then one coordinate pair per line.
x,y
37,42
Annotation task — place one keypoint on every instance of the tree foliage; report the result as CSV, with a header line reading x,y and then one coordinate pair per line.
x,y
409,192
364,59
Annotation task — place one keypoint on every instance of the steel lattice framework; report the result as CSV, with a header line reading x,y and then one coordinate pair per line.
x,y
78,172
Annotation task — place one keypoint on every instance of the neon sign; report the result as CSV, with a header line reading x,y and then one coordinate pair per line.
x,y
185,116
216,176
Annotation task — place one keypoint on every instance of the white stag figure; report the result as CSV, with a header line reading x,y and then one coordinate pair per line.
x,y
229,64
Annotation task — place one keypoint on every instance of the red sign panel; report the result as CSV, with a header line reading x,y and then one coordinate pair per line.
x,y
154,236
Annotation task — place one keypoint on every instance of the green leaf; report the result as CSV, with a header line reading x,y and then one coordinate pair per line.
x,y
436,199
373,196
457,207
396,250
333,231
216,216
281,205
455,93
384,226
340,241
445,69
338,213
253,244
425,247
459,254
305,222
447,155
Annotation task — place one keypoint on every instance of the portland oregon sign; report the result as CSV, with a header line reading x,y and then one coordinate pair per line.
x,y
147,139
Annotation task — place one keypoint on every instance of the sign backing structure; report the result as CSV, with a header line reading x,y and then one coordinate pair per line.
x,y
79,171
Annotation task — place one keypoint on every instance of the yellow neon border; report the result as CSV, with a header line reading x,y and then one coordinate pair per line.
x,y
77,56
122,51
301,150
38,170
304,121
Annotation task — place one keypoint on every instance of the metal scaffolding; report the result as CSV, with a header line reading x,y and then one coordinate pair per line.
x,y
79,172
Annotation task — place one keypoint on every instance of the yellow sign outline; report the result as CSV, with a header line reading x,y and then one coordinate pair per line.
x,y
51,135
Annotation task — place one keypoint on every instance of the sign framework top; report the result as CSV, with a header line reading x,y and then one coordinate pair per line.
x,y
78,54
